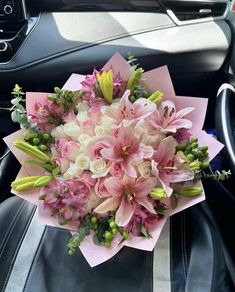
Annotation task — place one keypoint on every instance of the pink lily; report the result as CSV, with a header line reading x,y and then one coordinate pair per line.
x,y
167,119
127,112
168,167
126,195
126,149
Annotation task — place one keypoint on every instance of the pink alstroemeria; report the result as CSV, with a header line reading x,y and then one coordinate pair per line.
x,y
126,149
126,112
167,119
168,167
126,194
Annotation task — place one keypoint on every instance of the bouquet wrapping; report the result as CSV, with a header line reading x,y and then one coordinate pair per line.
x,y
111,155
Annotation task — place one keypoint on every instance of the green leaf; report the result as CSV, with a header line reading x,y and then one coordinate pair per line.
x,y
96,239
56,171
15,116
20,108
160,210
15,100
174,202
145,232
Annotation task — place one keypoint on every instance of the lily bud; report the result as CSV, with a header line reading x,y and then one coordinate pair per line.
x,y
190,191
196,165
105,81
156,97
24,180
43,180
31,150
158,193
134,79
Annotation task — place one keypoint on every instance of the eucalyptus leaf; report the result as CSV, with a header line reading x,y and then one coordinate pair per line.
x,y
15,100
15,116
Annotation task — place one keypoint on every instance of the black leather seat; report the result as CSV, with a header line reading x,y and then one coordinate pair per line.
x,y
34,257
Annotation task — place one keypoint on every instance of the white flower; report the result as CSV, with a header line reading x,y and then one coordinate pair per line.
x,y
99,168
82,115
145,169
58,132
72,172
82,106
83,162
106,121
72,130
84,139
100,131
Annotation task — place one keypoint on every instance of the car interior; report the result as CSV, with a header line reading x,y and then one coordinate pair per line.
x,y
41,44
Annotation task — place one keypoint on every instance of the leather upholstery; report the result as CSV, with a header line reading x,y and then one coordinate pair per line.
x,y
197,257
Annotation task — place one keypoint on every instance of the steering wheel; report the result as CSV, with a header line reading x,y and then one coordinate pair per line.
x,y
225,122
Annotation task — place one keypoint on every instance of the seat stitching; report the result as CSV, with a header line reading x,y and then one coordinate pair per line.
x,y
11,226
182,245
30,269
171,257
17,249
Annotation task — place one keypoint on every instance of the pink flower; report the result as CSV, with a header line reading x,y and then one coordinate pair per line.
x,y
67,200
142,217
94,151
182,135
166,119
116,169
126,149
128,112
100,189
70,150
126,195
62,163
168,167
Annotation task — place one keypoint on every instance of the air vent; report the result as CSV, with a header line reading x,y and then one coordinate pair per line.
x,y
196,10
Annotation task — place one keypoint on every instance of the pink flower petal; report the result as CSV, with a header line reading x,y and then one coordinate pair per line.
x,y
108,205
147,151
114,186
146,203
124,213
183,112
110,154
182,123
129,169
166,150
144,188
178,175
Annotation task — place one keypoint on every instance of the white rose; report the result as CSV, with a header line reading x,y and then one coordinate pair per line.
x,y
72,172
145,169
84,139
83,162
99,168
106,121
100,131
72,130
82,106
58,132
82,115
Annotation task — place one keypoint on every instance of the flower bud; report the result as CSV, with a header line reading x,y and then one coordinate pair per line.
x,y
190,191
105,81
156,97
134,79
158,193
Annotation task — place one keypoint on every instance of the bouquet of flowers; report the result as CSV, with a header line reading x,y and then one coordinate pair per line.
x,y
111,155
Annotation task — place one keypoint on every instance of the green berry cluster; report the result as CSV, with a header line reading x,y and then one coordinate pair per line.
x,y
195,155
105,230
62,97
38,139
